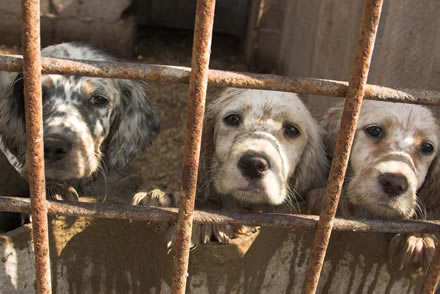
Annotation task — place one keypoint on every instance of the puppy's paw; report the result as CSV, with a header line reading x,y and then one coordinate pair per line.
x,y
65,192
170,237
155,197
412,253
224,233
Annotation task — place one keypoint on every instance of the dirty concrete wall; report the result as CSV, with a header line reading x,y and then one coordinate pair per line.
x,y
318,38
110,256
93,21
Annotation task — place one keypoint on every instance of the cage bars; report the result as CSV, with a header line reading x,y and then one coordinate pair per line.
x,y
34,140
361,65
219,78
198,85
32,65
156,214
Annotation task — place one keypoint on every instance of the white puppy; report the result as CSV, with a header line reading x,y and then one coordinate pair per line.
x,y
260,149
394,146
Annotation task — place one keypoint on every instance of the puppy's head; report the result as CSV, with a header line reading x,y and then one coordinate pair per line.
x,y
261,147
394,147
87,121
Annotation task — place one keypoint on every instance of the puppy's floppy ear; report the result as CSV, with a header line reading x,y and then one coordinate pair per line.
x,y
206,154
311,172
330,123
429,193
12,118
136,124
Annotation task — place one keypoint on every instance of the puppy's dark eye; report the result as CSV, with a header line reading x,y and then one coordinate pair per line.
x,y
426,148
374,131
232,120
99,100
291,131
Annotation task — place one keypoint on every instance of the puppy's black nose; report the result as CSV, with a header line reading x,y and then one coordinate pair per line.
x,y
393,184
56,148
253,165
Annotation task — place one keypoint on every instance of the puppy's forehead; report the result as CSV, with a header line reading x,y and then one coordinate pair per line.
x,y
85,86
260,103
407,117
75,51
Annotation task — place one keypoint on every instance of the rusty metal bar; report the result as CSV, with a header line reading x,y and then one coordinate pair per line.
x,y
218,78
361,65
153,214
198,85
34,140
433,275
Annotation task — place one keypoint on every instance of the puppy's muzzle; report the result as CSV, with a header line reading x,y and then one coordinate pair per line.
x,y
393,184
253,165
56,147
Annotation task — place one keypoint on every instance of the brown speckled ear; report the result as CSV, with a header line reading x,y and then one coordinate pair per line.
x,y
206,155
429,193
330,122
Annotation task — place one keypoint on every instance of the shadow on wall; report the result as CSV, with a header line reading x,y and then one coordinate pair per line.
x,y
124,257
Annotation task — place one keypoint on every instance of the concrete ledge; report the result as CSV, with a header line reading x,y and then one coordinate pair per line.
x,y
110,256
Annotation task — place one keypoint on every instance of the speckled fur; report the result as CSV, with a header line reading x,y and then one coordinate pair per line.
x,y
105,138
405,128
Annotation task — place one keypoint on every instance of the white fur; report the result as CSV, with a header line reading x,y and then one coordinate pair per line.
x,y
405,128
264,115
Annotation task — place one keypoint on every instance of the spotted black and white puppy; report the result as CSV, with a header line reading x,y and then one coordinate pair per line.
x,y
260,149
92,126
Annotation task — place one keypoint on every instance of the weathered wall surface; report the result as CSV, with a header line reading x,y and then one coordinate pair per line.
x,y
109,256
318,38
230,15
93,21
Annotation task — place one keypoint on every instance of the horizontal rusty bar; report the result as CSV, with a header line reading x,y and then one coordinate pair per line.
x,y
153,214
218,78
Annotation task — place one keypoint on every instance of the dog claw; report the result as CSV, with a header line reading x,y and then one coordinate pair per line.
x,y
412,254
57,191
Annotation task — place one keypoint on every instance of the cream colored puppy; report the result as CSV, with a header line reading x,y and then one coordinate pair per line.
x,y
260,149
394,146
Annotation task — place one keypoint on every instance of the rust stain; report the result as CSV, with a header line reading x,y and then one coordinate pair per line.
x,y
353,102
155,214
34,140
218,78
196,107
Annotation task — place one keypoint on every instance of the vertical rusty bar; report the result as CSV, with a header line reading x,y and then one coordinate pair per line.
x,y
34,138
433,275
353,101
196,108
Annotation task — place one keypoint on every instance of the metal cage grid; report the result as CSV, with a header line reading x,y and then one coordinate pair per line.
x,y
199,76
